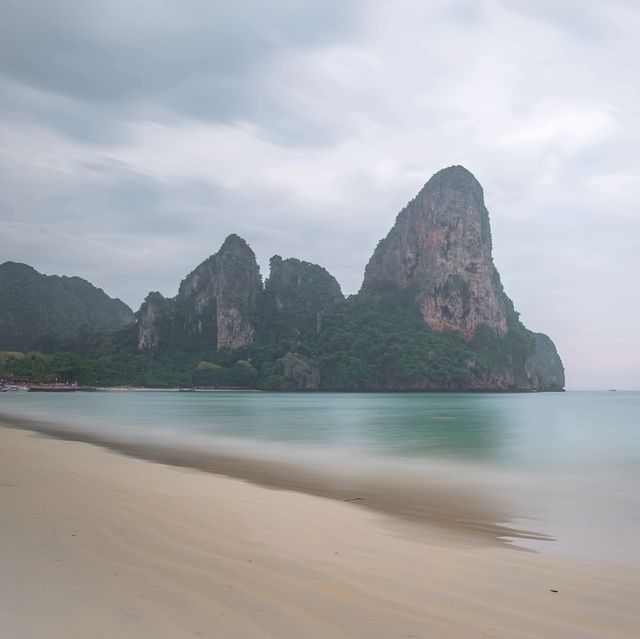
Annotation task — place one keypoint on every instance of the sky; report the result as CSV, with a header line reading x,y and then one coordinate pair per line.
x,y
136,135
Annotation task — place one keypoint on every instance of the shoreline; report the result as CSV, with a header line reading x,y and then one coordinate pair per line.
x,y
464,511
195,389
98,542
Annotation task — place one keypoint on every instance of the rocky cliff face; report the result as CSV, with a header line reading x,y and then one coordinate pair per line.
x,y
36,307
544,367
439,251
222,291
155,321
298,295
215,304
440,246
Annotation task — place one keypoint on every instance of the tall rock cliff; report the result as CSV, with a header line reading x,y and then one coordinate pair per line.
x,y
439,253
440,247
215,304
35,308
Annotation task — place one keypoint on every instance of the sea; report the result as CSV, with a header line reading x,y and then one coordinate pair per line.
x,y
563,466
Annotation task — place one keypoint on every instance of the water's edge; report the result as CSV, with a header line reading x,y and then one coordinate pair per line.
x,y
464,510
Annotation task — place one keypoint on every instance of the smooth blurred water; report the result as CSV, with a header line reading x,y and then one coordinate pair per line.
x,y
535,430
571,461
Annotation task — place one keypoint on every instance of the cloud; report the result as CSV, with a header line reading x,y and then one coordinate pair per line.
x,y
161,59
135,136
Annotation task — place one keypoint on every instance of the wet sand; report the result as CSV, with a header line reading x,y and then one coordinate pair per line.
x,y
97,544
442,499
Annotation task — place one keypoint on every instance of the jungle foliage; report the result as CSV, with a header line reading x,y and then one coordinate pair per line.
x,y
377,341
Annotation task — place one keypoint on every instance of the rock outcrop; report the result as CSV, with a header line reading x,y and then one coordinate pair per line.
x,y
544,367
156,319
215,304
297,373
297,296
440,246
37,308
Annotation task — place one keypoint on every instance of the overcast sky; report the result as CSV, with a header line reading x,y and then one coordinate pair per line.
x,y
136,135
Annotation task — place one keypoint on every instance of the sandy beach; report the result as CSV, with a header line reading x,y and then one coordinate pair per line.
x,y
98,544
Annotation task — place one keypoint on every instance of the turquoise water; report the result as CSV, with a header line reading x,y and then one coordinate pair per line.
x,y
536,430
568,463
